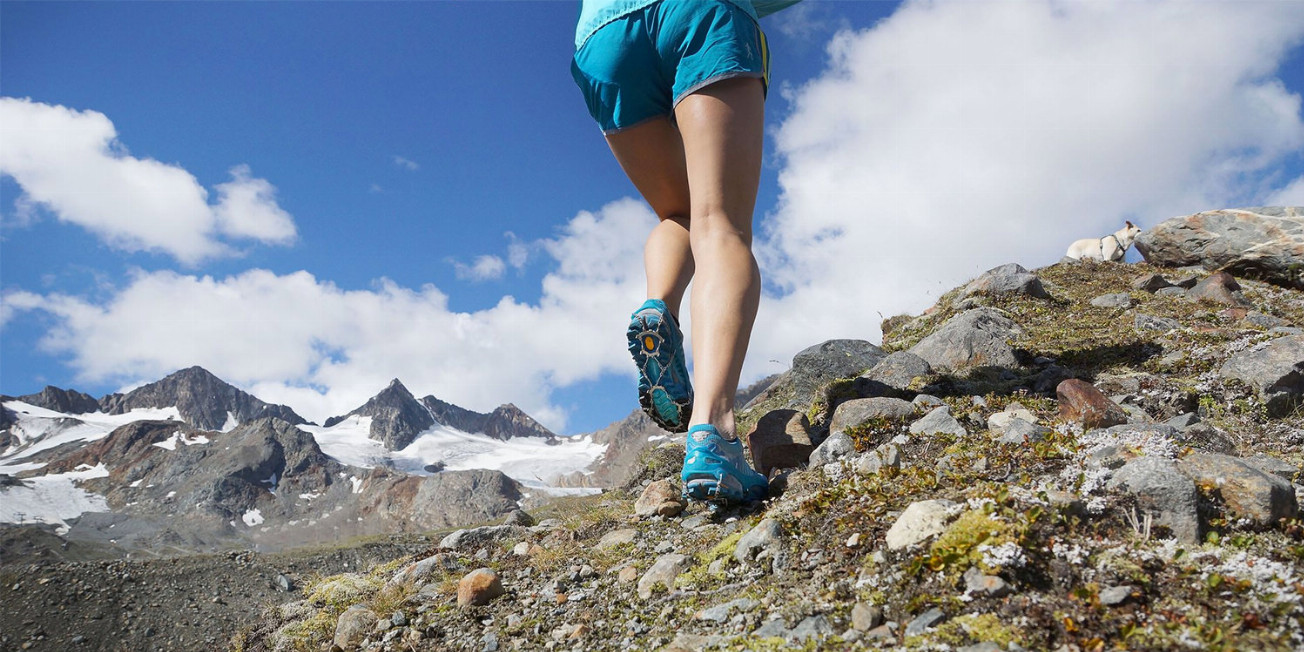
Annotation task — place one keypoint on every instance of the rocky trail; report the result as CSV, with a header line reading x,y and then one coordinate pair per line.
x,y
1067,459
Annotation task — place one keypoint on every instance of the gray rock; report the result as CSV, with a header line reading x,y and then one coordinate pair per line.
x,y
883,457
771,629
1117,300
1116,595
865,617
397,417
989,586
857,411
1275,369
467,538
518,517
1263,321
721,613
1246,491
1150,283
353,626
617,537
663,573
1144,322
1010,278
1174,291
767,536
815,367
1273,466
939,420
931,618
919,522
1019,431
1183,421
67,401
1265,243
811,627
1161,489
898,370
927,401
837,446
974,338
998,421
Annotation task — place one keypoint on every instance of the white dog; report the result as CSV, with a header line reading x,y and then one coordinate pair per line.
x,y
1110,247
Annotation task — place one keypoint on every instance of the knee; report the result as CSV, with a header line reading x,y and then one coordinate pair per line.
x,y
716,228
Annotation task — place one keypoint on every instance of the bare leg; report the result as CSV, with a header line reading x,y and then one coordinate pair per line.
x,y
652,155
721,127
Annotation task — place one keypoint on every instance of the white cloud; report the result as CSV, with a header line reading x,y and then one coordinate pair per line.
x,y
1291,195
485,268
302,341
406,164
71,163
956,136
246,208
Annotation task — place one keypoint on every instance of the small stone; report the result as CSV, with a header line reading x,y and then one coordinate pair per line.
x,y
976,583
1273,466
865,617
881,633
663,573
521,549
1246,491
1118,300
721,613
1080,402
519,517
1019,432
767,536
922,622
1172,291
927,401
811,627
919,522
478,587
627,574
1219,287
1115,595
1143,322
616,538
353,626
659,499
399,619
1161,489
1150,283
998,422
835,447
853,541
884,457
283,583
1183,421
938,420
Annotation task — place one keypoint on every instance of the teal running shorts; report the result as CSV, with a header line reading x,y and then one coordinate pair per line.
x,y
641,65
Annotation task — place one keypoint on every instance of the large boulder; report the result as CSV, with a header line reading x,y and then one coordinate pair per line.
x,y
1275,369
815,367
1163,491
1264,243
1010,278
974,338
780,440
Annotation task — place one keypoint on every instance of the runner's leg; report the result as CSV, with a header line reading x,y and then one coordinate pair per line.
x,y
721,129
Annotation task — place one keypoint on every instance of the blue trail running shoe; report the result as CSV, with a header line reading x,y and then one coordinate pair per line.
x,y
664,389
716,471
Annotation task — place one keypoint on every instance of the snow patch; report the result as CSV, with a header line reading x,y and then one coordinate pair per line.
x,y
252,517
52,498
38,429
532,461
179,437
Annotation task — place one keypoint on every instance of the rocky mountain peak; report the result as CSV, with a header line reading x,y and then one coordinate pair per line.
x,y
67,401
397,417
204,400
507,421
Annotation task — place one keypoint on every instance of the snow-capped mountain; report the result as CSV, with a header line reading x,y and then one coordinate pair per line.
x,y
191,462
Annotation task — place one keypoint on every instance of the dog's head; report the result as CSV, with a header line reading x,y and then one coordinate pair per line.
x,y
1128,233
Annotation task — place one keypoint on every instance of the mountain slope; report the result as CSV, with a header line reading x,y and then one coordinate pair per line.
x,y
203,400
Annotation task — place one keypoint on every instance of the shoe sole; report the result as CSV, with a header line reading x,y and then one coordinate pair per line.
x,y
720,489
645,346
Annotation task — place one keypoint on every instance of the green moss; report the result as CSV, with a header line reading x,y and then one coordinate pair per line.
x,y
976,628
958,548
700,575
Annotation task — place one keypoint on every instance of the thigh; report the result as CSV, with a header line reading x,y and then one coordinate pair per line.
x,y
722,130
652,155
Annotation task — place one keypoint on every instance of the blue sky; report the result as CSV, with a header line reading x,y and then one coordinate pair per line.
x,y
312,198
